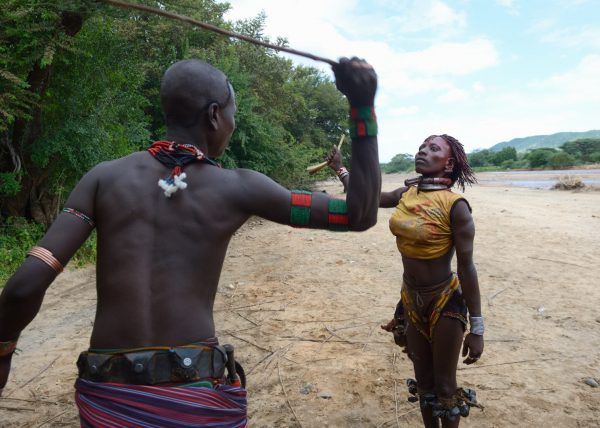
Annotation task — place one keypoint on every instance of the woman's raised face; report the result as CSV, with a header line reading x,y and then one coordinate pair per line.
x,y
434,158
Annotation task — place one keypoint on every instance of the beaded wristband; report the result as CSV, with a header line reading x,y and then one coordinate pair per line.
x,y
338,215
363,122
80,215
47,257
342,172
477,326
7,348
300,211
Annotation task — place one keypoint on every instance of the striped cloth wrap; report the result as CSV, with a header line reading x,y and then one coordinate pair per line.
x,y
115,405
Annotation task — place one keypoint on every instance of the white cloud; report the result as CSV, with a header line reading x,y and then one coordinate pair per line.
x,y
578,85
510,5
450,58
579,37
478,87
453,95
420,15
429,68
404,111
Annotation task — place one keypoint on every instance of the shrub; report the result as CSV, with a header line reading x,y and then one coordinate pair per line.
x,y
561,160
569,182
17,236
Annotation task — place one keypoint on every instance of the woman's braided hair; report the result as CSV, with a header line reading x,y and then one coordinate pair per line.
x,y
462,172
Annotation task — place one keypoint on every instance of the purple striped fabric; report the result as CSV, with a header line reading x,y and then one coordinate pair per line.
x,y
115,405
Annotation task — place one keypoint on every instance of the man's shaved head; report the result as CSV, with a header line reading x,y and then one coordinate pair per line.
x,y
190,86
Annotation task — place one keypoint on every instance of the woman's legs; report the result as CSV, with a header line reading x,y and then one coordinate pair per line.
x,y
447,340
419,351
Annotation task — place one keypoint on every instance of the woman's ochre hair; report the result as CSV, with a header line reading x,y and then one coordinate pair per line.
x,y
462,172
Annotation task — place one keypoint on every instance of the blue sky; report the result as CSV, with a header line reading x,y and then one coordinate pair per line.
x,y
483,71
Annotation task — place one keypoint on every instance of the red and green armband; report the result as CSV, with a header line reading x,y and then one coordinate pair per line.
x,y
363,122
300,211
338,215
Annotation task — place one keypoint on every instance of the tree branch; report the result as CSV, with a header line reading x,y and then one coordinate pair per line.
x,y
215,29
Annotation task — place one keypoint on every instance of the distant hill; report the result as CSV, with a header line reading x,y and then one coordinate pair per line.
x,y
537,141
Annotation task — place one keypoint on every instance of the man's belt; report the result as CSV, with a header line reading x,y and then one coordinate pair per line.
x,y
151,367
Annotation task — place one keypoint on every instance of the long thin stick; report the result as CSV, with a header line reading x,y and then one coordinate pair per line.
x,y
286,396
396,401
507,362
215,29
34,377
52,418
228,333
494,295
318,167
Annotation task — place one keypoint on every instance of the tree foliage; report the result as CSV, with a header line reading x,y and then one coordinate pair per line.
x,y
79,84
400,163
584,150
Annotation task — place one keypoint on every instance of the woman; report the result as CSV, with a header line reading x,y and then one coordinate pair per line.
x,y
431,223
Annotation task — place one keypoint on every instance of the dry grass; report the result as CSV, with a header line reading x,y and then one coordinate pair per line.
x,y
569,182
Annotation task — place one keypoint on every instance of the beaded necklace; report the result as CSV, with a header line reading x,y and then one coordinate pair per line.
x,y
176,156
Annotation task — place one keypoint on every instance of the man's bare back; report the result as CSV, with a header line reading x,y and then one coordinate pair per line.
x,y
160,254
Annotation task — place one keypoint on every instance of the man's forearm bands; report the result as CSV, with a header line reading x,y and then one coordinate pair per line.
x,y
47,257
363,122
80,215
338,215
300,211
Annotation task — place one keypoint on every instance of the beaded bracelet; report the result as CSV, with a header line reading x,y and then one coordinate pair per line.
x,y
342,172
79,215
338,215
300,211
7,348
363,122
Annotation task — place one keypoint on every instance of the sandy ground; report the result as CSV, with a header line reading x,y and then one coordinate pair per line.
x,y
303,309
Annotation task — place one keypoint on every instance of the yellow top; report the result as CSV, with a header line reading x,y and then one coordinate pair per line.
x,y
421,223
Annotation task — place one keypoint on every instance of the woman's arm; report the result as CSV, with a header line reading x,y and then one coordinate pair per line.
x,y
391,199
386,200
463,231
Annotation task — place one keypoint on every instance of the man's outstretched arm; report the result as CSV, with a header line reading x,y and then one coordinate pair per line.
x,y
263,197
22,296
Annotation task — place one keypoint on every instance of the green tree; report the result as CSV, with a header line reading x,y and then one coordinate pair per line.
x,y
34,34
561,160
80,84
582,149
480,158
400,163
539,158
506,154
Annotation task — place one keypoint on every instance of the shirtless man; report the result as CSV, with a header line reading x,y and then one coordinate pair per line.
x,y
161,250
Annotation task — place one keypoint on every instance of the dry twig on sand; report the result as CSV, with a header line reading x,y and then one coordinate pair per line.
x,y
51,419
557,261
507,363
228,333
34,377
494,295
396,402
286,396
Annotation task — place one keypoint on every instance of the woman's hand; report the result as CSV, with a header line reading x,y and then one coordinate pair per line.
x,y
334,159
473,345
